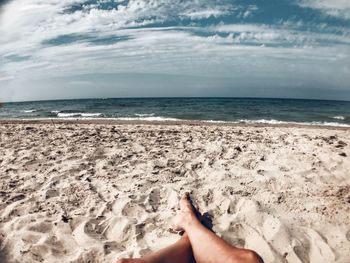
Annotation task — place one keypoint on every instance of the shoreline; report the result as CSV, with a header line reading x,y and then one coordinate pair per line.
x,y
114,121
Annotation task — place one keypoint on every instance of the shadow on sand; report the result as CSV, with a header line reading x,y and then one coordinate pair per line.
x,y
2,257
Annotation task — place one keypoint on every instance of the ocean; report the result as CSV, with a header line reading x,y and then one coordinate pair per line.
x,y
237,110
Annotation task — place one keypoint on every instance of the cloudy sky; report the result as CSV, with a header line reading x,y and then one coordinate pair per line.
x,y
57,49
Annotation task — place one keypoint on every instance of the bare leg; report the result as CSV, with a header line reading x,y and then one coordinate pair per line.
x,y
208,247
180,252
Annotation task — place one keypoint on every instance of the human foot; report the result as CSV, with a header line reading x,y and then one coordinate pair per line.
x,y
186,215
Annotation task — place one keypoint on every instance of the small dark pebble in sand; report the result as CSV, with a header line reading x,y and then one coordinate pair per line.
x,y
280,199
341,144
65,218
238,148
343,154
260,171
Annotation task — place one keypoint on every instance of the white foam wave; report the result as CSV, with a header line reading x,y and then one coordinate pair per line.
x,y
264,121
339,117
148,119
55,111
77,114
28,111
162,119
213,121
272,121
144,115
336,124
261,121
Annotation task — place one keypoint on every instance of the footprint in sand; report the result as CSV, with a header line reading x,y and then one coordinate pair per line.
x,y
130,209
58,247
208,197
112,246
42,227
124,206
243,235
88,232
51,193
15,198
301,250
31,238
153,199
96,228
348,235
119,228
277,235
233,235
139,231
315,247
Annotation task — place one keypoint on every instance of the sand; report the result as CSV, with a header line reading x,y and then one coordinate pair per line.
x,y
95,192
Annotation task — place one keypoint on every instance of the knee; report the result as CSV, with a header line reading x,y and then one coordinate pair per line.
x,y
251,256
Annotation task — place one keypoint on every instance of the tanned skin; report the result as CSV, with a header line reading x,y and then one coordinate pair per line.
x,y
197,243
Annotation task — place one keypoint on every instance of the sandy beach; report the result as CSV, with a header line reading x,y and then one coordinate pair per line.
x,y
98,191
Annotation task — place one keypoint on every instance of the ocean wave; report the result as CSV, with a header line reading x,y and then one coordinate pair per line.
x,y
339,117
336,124
144,115
97,116
242,121
148,119
215,121
273,121
264,121
55,111
28,111
77,114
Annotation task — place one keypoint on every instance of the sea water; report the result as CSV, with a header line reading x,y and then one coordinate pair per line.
x,y
240,110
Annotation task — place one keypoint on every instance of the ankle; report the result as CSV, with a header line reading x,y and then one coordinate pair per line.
x,y
190,221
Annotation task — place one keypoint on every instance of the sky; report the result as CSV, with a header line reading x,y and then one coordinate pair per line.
x,y
65,49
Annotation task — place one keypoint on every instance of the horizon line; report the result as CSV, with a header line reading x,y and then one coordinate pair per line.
x,y
175,97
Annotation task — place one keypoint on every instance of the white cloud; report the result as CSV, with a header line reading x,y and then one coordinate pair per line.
x,y
25,23
224,50
337,8
280,35
204,13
